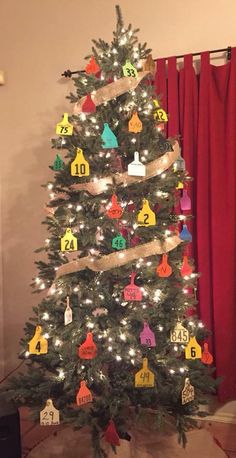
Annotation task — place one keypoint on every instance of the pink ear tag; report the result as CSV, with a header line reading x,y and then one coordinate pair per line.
x,y
147,337
185,201
132,292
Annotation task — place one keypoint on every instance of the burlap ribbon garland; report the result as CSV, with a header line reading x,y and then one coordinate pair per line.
x,y
153,169
120,258
112,90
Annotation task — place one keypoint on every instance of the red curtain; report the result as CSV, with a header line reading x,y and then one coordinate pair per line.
x,y
202,110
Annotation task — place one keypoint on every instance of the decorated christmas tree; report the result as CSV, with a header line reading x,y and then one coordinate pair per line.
x,y
116,332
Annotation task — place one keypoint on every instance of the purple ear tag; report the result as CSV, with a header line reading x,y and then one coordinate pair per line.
x,y
147,337
185,201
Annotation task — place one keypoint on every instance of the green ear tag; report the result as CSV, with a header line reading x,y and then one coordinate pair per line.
x,y
119,243
129,69
58,163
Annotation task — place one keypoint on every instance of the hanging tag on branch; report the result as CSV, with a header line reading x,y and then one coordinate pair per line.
x,y
132,292
88,105
129,69
111,435
119,242
146,217
135,124
115,211
68,312
64,127
180,185
147,337
58,163
84,395
79,167
69,241
188,392
49,416
38,345
136,168
144,378
207,357
88,349
108,137
185,234
180,334
92,66
185,201
193,349
164,269
179,165
159,114
186,269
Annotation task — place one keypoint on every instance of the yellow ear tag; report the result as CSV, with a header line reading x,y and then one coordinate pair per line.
x,y
180,334
180,185
38,345
135,124
193,349
129,69
49,416
144,378
69,241
64,127
79,167
161,115
146,216
188,392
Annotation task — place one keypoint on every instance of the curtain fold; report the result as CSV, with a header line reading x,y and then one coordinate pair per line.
x,y
202,110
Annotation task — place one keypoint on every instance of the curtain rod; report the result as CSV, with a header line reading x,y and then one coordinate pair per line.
x,y
69,73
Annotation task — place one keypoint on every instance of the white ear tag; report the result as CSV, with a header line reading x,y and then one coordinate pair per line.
x,y
136,168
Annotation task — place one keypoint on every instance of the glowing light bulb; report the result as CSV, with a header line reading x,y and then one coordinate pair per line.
x,y
45,316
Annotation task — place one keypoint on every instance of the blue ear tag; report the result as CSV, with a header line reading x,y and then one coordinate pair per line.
x,y
108,137
185,234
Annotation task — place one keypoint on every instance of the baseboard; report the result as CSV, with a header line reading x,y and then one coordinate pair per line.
x,y
221,417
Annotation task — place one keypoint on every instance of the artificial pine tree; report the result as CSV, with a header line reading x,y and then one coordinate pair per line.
x,y
102,349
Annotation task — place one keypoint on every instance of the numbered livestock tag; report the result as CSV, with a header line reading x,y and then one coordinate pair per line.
x,y
64,127
84,395
136,168
88,349
68,241
135,124
132,292
193,349
144,378
108,137
49,416
129,69
159,113
115,211
68,312
79,167
207,357
119,242
164,269
180,334
38,345
146,216
147,337
188,392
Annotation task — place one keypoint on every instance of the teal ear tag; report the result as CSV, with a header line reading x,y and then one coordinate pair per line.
x,y
129,69
119,243
109,138
58,163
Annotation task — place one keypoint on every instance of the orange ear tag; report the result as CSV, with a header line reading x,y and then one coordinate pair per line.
x,y
164,269
115,211
207,357
193,349
92,66
88,349
186,269
135,124
84,395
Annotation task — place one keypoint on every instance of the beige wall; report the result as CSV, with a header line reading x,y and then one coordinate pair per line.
x,y
38,40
